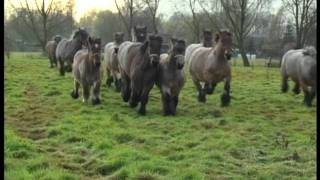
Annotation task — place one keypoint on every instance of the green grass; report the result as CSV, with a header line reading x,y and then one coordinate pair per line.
x,y
263,134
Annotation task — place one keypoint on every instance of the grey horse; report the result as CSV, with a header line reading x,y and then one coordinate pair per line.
x,y
51,47
301,66
66,49
87,71
210,66
171,77
111,60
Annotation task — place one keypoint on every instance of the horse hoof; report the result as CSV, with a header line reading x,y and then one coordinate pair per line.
x,y
96,101
296,91
133,104
202,99
142,112
225,100
210,91
74,95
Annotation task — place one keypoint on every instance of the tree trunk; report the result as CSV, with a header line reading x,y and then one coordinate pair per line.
x,y
244,57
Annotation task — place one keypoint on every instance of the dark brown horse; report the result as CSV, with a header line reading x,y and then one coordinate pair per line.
x,y
171,76
51,47
210,66
87,71
138,71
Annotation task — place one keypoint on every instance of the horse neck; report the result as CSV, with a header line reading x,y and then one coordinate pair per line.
x,y
207,43
145,58
76,44
89,63
218,52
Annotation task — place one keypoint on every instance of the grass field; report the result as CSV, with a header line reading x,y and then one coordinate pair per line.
x,y
263,134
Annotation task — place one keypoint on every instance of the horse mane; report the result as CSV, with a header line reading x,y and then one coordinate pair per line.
x,y
310,51
74,33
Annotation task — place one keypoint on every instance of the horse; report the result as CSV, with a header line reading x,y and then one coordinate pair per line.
x,y
111,60
206,42
171,77
210,65
87,71
51,47
138,71
66,49
301,66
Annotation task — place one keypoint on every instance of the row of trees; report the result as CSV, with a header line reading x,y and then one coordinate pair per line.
x,y
254,28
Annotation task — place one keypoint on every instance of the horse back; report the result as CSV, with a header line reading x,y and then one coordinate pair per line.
x,y
189,50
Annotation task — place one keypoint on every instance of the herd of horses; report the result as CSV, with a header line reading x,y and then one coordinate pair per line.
x,y
134,67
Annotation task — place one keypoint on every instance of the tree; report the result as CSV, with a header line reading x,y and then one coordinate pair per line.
x,y
127,12
41,19
192,21
304,14
241,15
153,6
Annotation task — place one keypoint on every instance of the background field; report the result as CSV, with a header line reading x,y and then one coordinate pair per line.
x,y
263,134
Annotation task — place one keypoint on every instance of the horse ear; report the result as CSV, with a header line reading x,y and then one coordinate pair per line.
x,y
144,46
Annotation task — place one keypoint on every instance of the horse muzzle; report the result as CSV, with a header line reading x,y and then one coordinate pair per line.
x,y
154,58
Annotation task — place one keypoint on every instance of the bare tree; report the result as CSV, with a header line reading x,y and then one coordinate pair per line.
x,y
127,12
212,14
304,13
241,15
194,23
41,19
153,6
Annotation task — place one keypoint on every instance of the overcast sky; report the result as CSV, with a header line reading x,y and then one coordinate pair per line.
x,y
84,6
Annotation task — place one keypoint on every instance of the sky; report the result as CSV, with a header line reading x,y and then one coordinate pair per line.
x,y
82,7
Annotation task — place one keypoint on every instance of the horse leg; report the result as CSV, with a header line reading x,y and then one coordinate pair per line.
x,y
86,93
144,100
75,91
125,88
201,91
165,103
116,82
96,93
285,85
109,78
61,62
296,88
134,98
55,61
51,62
225,97
210,87
307,95
174,102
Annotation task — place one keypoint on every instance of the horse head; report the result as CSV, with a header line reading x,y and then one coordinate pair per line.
x,y
224,37
178,50
118,37
94,47
310,51
57,38
154,45
140,33
207,38
81,35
